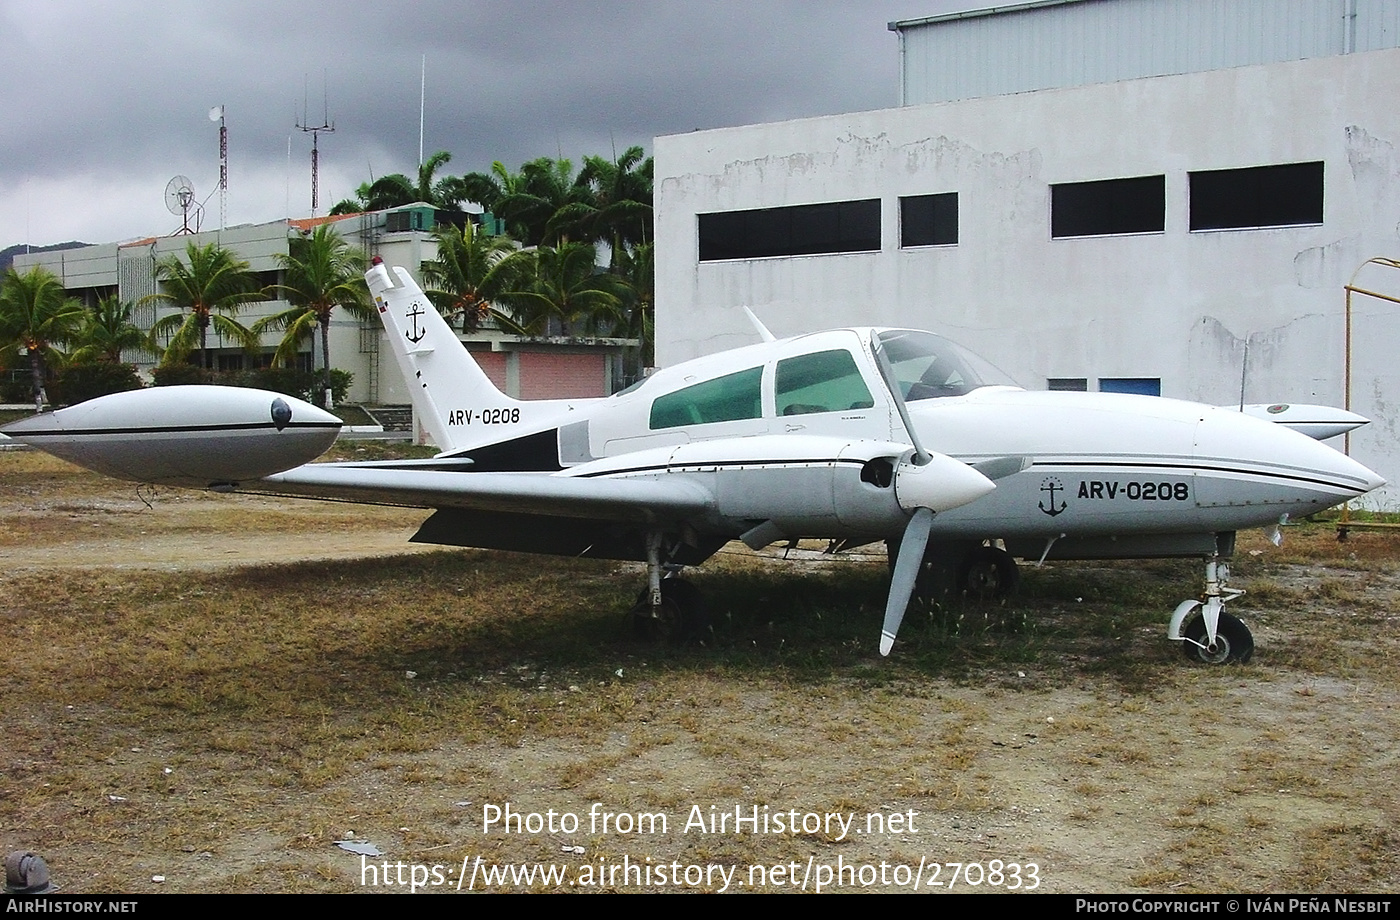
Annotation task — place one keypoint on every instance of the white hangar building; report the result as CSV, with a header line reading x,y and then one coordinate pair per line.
x,y
1160,196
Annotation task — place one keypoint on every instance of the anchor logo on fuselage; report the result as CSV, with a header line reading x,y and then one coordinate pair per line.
x,y
414,334
1052,485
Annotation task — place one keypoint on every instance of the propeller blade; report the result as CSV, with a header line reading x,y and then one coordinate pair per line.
x,y
882,361
906,573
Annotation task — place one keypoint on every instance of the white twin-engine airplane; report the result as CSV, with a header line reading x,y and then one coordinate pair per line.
x,y
817,436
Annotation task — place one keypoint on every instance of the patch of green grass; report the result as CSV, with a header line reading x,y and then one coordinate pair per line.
x,y
14,415
347,449
353,415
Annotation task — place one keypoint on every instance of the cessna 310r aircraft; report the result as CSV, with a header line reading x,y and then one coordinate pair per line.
x,y
825,435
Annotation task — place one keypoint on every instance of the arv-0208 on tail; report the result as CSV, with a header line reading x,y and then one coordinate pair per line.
x,y
851,435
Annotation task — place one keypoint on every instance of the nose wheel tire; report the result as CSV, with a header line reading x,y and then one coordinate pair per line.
x,y
1233,641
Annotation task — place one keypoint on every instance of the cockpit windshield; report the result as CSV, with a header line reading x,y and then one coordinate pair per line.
x,y
929,366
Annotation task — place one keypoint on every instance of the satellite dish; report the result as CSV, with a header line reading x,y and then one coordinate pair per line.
x,y
179,198
216,113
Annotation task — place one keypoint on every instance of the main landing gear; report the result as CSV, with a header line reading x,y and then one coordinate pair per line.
x,y
669,608
981,573
1213,636
987,574
680,617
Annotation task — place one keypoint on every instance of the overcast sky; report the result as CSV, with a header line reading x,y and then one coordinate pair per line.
x,y
105,102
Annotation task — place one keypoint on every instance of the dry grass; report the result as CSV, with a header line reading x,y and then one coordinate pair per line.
x,y
223,725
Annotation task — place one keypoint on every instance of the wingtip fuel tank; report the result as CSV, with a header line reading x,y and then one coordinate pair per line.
x,y
200,436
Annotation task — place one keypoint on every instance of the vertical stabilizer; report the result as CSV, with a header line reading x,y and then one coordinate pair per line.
x,y
447,386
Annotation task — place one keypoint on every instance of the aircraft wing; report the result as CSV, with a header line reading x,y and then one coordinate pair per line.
x,y
619,500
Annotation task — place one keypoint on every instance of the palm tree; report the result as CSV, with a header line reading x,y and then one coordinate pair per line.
x,y
637,268
375,196
617,210
472,273
535,208
567,286
396,190
36,314
107,331
209,291
439,194
322,272
487,189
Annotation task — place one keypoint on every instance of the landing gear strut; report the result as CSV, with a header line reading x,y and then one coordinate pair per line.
x,y
669,608
680,617
1213,637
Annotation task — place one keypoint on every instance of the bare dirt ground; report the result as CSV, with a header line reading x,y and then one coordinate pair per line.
x,y
212,690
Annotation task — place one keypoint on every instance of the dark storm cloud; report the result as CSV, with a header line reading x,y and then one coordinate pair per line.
x,y
107,101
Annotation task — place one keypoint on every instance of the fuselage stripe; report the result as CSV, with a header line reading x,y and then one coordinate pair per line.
x,y
1193,468
163,429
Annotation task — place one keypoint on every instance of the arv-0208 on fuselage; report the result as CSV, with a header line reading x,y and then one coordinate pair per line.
x,y
851,435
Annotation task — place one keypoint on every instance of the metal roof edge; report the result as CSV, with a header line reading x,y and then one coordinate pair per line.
x,y
900,25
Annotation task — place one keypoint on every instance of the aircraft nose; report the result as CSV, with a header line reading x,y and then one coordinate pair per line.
x,y
1374,479
1254,462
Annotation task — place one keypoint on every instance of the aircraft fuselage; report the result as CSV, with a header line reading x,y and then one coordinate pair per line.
x,y
1067,466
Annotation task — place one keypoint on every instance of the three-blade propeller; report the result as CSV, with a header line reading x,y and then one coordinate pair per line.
x,y
917,482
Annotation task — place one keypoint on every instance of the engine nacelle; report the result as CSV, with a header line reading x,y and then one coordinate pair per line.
x,y
199,436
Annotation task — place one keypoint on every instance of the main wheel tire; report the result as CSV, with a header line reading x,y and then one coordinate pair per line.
x,y
682,616
935,579
987,574
1233,641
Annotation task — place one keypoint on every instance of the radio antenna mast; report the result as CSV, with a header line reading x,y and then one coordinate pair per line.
x,y
325,127
217,114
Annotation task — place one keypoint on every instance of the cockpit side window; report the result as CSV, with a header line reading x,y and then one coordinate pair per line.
x,y
827,381
724,399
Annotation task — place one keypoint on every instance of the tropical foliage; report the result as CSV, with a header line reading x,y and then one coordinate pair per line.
x,y
107,330
565,222
322,272
576,258
566,286
616,211
78,381
474,275
36,315
210,286
396,189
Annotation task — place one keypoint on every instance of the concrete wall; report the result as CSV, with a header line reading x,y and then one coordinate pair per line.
x,y
1178,305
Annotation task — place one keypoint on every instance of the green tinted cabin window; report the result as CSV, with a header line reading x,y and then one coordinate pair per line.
x,y
724,399
827,381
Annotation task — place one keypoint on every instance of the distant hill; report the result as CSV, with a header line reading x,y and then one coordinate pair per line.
x,y
7,255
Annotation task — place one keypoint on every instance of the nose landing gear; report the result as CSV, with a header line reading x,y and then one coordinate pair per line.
x,y
1214,636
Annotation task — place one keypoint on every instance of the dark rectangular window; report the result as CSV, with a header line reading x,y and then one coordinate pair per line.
x,y
1260,196
929,220
1108,207
799,230
1143,386
1068,384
